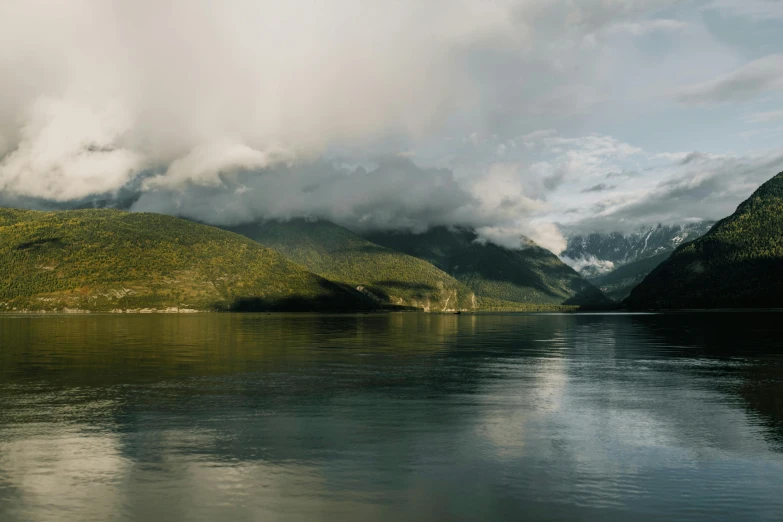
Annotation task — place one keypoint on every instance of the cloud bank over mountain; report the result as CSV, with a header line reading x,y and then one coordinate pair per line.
x,y
516,117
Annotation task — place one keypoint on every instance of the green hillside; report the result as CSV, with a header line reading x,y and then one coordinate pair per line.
x,y
736,264
618,283
387,276
114,260
501,278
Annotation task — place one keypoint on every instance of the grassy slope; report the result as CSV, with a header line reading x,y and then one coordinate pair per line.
x,y
109,259
340,255
501,278
736,264
618,283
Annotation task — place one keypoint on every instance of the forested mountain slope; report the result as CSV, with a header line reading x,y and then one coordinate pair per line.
x,y
101,260
738,263
500,277
618,284
385,275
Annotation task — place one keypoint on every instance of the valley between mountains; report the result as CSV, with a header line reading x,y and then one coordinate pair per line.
x,y
107,260
114,261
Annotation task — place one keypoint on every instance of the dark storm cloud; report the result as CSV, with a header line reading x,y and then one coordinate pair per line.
x,y
396,194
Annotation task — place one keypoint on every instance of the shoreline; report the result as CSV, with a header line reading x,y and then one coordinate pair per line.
x,y
554,310
529,308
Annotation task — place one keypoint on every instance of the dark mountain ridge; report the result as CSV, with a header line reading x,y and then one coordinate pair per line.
x,y
112,260
500,277
618,283
387,276
738,263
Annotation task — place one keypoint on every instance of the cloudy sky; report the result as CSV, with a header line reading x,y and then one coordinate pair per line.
x,y
513,116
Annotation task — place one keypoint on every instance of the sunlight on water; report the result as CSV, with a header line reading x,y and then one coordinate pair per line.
x,y
391,417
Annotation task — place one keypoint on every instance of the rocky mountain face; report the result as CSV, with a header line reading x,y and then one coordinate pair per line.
x,y
597,254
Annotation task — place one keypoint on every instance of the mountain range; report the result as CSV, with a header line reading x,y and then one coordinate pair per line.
x,y
617,262
501,278
386,276
112,260
598,253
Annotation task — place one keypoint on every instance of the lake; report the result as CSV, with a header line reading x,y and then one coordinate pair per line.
x,y
401,416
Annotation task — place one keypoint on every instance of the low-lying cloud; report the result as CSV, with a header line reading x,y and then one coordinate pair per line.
x,y
229,112
396,194
596,266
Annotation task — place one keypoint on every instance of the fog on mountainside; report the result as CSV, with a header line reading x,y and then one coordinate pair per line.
x,y
111,260
617,262
500,277
231,112
597,253
485,115
495,118
385,276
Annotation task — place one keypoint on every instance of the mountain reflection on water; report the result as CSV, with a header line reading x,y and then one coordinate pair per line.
x,y
391,417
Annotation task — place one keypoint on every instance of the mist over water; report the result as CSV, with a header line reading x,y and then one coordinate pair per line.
x,y
390,417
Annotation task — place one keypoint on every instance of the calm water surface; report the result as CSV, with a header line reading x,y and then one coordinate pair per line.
x,y
391,417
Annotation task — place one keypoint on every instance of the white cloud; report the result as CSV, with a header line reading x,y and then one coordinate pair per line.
x,y
501,193
518,235
596,266
708,186
205,165
192,75
307,77
68,150
752,79
575,159
239,111
535,138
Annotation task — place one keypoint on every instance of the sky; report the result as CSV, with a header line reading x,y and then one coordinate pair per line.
x,y
515,117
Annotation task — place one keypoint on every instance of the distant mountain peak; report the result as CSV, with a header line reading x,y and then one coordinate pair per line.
x,y
617,262
592,254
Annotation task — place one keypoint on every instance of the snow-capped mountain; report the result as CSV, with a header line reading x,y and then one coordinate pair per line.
x,y
596,254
